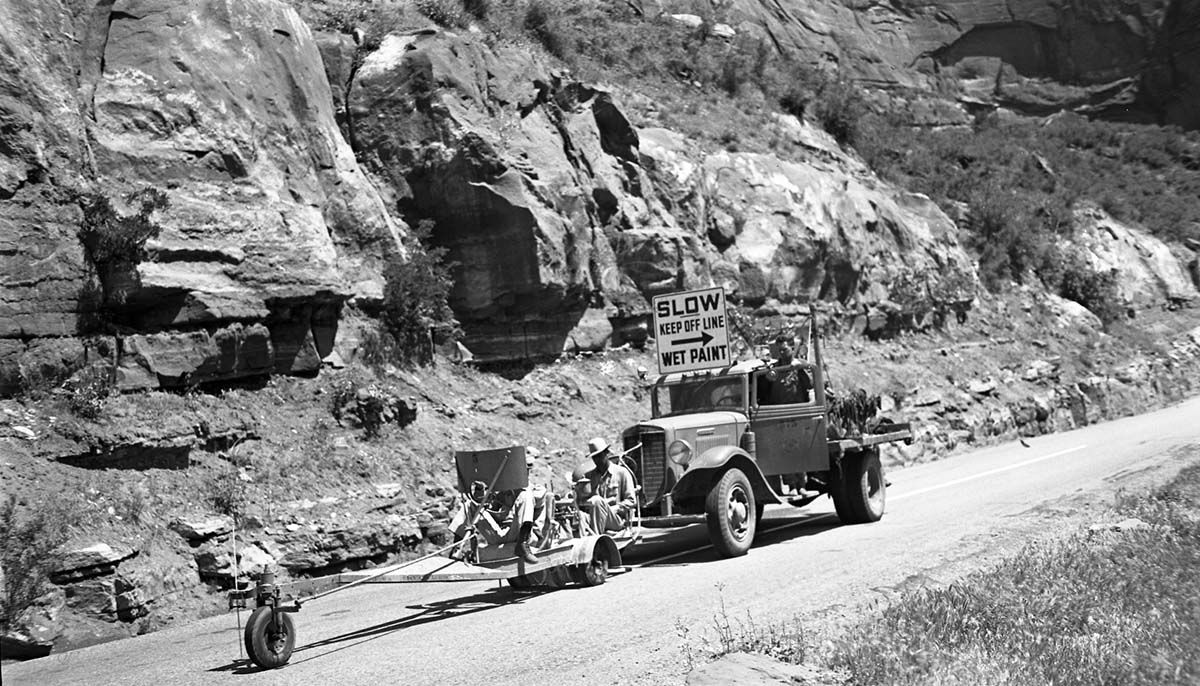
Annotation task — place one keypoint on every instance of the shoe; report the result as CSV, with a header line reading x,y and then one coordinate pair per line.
x,y
525,553
523,550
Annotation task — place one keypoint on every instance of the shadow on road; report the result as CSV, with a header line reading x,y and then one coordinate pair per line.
x,y
426,613
671,549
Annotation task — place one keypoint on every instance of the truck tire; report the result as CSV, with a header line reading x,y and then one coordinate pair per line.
x,y
731,514
859,490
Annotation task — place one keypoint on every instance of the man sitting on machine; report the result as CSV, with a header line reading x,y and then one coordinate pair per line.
x,y
523,515
607,491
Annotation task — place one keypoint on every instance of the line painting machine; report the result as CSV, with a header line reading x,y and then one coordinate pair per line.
x,y
569,553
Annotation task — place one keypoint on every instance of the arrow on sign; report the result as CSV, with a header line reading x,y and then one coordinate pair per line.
x,y
702,339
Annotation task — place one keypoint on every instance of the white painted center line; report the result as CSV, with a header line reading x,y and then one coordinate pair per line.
x,y
990,472
910,494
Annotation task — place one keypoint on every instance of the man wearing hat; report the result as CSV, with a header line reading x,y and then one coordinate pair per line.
x,y
612,489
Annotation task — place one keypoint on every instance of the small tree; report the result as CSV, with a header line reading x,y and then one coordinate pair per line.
x,y
416,301
27,544
116,243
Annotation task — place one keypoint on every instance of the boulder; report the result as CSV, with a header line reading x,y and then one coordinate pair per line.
x,y
1147,272
89,561
180,359
215,561
982,386
593,332
33,633
316,552
808,231
201,528
1040,369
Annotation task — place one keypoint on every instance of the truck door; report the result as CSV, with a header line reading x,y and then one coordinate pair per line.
x,y
788,423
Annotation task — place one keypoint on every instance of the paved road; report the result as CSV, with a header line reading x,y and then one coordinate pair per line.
x,y
943,518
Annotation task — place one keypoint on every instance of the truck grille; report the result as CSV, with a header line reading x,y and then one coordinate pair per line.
x,y
651,461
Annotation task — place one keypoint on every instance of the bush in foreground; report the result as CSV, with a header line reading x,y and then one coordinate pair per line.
x,y
1118,608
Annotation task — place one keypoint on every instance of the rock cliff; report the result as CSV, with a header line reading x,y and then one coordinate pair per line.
x,y
269,225
1125,59
283,197
553,205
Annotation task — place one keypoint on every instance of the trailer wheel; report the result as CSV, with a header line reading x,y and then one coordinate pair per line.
x,y
859,490
593,573
731,513
269,643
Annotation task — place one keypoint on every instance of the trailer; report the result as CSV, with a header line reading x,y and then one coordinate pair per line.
x,y
568,554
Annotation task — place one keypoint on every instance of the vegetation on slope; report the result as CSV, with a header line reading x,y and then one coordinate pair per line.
x,y
1021,179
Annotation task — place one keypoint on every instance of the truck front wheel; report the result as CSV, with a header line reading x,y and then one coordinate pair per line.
x,y
731,514
859,490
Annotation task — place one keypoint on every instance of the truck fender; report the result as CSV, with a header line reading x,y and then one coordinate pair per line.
x,y
584,550
696,480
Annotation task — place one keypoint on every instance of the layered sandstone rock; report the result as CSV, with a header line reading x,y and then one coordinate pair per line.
x,y
270,224
803,231
1148,274
555,208
1121,59
523,172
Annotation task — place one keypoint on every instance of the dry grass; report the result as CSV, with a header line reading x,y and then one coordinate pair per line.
x,y
1113,608
780,640
1110,607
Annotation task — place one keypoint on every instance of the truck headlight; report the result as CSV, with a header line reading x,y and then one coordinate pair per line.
x,y
679,452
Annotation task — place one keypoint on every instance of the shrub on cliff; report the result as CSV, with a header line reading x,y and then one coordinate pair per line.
x,y
416,303
115,243
543,21
1138,173
1020,182
1095,290
836,104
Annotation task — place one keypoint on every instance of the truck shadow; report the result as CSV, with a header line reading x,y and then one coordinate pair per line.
x,y
425,614
689,545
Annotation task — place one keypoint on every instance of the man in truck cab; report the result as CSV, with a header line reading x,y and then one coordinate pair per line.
x,y
784,384
607,490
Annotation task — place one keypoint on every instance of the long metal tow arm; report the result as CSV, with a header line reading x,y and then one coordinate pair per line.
x,y
389,570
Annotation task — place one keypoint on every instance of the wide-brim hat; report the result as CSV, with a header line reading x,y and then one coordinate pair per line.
x,y
596,446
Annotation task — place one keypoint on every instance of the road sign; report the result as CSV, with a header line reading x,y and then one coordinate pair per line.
x,y
690,330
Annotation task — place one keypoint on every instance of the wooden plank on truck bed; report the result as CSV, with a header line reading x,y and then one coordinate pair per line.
x,y
899,432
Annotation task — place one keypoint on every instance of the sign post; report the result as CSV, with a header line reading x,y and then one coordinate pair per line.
x,y
690,330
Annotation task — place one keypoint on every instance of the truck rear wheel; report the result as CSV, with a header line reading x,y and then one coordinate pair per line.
x,y
731,514
859,490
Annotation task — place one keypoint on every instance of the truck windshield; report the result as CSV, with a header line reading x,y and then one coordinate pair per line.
x,y
700,395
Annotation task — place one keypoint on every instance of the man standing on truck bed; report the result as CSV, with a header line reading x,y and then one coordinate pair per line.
x,y
786,384
612,489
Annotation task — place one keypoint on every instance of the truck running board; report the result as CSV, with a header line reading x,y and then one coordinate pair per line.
x,y
671,521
